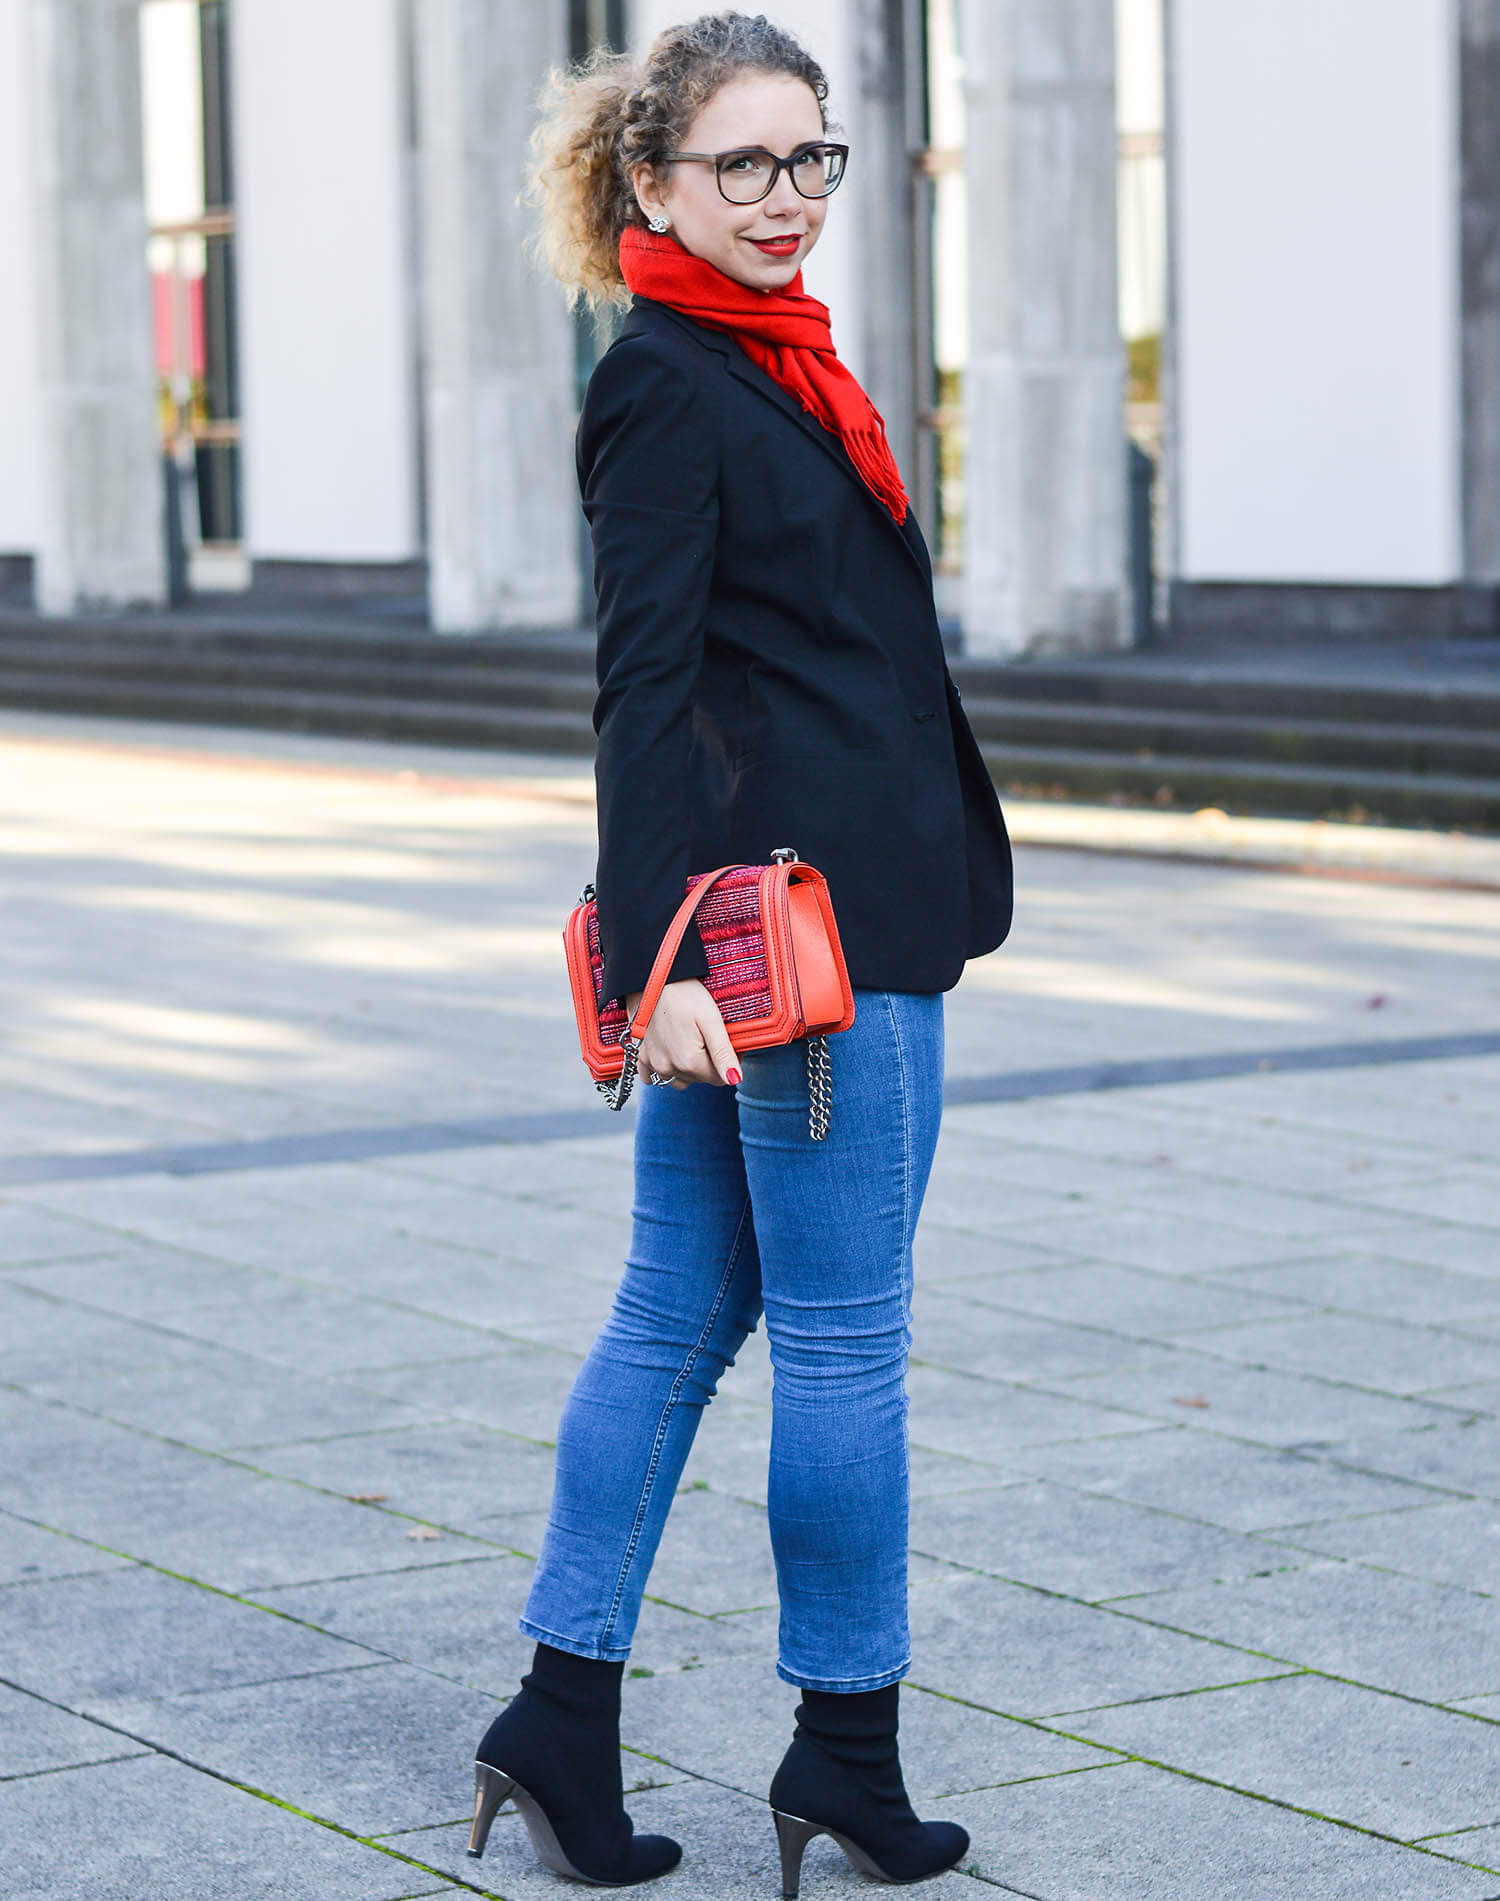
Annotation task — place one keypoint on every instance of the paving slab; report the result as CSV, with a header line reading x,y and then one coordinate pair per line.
x,y
31,1554
469,1477
1080,1544
1468,1197
151,1826
1394,1633
1136,1833
1166,1241
1221,1481
1024,1652
37,1737
948,1330
1414,1771
985,1420
1456,1542
217,1400
1462,1456
1363,1283
1250,1402
520,1389
1135,1303
455,1619
45,1341
945,1746
947,1255
139,1633
1385,1355
29,1234
372,1750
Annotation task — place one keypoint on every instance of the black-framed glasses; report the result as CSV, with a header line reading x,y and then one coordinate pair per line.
x,y
749,173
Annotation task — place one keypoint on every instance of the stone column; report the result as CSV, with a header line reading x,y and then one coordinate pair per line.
x,y
502,505
1479,212
1044,389
101,540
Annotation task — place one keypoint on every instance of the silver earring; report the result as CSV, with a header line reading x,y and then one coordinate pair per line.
x,y
659,224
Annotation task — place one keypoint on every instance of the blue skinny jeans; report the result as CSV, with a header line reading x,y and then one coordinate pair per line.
x,y
738,1213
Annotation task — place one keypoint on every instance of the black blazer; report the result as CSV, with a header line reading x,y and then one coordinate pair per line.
x,y
770,672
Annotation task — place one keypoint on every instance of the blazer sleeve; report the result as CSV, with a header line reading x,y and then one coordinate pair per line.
x,y
649,446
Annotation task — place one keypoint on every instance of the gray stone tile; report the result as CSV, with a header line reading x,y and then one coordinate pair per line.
x,y
1222,1481
1394,1633
1130,1301
952,1330
457,1620
146,1282
1166,1241
1471,1197
217,1400
1463,1457
37,1736
1381,1354
1414,1771
1082,1545
1275,1408
156,1827
44,1340
520,1389
329,1744
1136,1833
1457,1542
465,1476
1281,1215
1024,1653
41,1234
1424,1243
29,1553
985,1420
1364,1283
678,1718
1481,1398
947,1255
138,1633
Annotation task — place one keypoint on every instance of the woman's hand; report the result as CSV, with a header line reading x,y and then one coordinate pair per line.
x,y
686,1039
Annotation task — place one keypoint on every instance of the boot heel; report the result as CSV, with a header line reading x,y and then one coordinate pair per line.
x,y
792,1837
490,1790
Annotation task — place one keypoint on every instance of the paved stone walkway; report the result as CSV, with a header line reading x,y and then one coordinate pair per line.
x,y
1205,1402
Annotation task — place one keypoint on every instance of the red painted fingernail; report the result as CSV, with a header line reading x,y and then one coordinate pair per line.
x,y
732,1077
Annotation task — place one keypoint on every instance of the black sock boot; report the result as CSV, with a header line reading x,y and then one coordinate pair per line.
x,y
556,1748
842,1777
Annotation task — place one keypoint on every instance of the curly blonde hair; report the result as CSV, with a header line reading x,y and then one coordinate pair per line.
x,y
601,119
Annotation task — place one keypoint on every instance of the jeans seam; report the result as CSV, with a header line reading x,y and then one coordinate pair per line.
x,y
662,1424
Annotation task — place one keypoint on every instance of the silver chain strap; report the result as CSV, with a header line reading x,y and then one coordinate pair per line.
x,y
617,1093
819,1087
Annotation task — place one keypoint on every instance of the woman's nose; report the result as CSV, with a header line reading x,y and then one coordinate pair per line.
x,y
784,197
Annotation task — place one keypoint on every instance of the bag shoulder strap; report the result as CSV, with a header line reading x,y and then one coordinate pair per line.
x,y
662,968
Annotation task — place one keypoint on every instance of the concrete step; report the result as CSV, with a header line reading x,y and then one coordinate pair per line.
x,y
531,729
356,675
1247,785
1164,686
1151,731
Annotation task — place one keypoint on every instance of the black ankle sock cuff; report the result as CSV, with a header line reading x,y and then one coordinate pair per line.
x,y
860,1714
587,1685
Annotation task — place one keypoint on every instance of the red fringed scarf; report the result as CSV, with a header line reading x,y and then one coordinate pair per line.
x,y
786,333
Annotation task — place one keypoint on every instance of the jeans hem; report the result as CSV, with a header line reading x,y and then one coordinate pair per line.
x,y
575,1648
847,1686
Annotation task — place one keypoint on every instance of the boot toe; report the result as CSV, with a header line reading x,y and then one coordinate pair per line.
x,y
950,1843
653,1855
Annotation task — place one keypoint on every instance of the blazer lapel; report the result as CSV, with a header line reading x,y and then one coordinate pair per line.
x,y
740,366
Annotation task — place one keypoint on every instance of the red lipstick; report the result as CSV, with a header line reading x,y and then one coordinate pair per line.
x,y
777,247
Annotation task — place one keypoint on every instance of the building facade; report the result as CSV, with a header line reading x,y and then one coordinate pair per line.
x,y
271,314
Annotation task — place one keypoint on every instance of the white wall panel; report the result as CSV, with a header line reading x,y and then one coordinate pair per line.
x,y
1316,201
328,404
20,507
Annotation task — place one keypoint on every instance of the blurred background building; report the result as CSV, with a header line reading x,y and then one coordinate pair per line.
x,y
264,263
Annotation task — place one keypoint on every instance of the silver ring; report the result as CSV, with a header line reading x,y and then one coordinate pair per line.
x,y
660,1082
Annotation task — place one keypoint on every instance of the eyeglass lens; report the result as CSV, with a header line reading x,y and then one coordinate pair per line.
x,y
745,177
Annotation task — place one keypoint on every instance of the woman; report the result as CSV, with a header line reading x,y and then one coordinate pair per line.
x,y
770,674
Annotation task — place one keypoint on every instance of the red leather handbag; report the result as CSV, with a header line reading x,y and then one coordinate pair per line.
x,y
775,969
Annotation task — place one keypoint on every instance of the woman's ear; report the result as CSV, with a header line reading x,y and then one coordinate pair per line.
x,y
648,193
